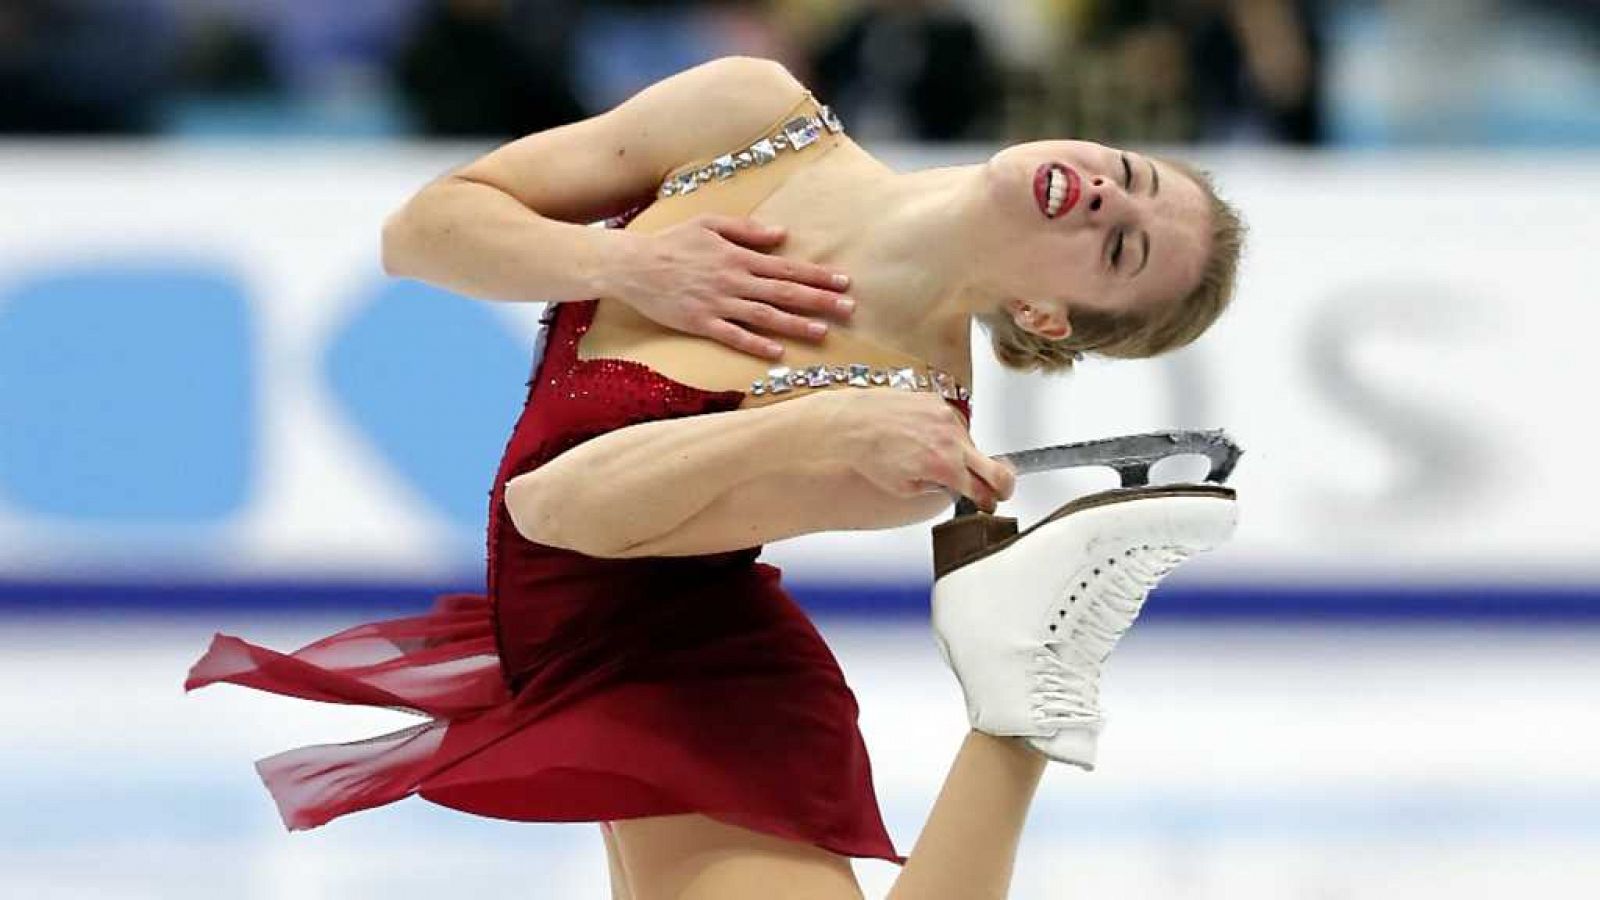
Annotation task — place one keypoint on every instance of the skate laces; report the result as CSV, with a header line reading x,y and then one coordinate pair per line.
x,y
1107,600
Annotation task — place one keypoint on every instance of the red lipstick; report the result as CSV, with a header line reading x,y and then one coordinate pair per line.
x,y
1067,178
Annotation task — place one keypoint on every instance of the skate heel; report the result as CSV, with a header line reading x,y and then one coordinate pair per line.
x,y
958,540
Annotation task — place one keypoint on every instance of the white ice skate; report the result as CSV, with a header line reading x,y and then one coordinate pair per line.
x,y
1026,620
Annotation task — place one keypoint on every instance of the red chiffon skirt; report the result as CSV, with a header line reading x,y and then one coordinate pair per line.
x,y
750,724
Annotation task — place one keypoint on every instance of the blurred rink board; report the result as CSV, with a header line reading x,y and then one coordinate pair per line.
x,y
208,389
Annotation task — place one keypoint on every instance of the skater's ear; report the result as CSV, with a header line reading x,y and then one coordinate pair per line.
x,y
1047,320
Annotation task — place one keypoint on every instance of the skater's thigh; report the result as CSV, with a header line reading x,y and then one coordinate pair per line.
x,y
696,858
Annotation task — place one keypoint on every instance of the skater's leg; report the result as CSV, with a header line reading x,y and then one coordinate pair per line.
x,y
619,875
969,843
966,850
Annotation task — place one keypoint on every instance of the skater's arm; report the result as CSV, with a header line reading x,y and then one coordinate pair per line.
x,y
712,483
510,226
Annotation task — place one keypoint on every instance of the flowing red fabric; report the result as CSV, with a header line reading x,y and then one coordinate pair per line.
x,y
585,689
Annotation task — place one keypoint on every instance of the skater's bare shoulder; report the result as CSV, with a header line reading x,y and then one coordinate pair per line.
x,y
594,168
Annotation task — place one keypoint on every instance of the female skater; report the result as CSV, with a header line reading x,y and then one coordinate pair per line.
x,y
632,663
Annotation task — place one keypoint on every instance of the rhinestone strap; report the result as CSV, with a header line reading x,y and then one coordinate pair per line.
x,y
782,380
796,134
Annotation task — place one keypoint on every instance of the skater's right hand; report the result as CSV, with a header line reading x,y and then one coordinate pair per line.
x,y
907,443
709,276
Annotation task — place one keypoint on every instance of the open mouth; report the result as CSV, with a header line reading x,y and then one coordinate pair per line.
x,y
1056,188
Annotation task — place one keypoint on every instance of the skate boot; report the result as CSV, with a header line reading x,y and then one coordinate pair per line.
x,y
1027,620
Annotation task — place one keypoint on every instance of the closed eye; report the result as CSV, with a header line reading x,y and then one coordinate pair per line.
x,y
1127,173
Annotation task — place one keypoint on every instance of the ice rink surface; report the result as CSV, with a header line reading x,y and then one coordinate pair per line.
x,y
1388,760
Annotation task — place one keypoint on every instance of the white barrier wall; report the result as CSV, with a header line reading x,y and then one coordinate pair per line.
x,y
1408,366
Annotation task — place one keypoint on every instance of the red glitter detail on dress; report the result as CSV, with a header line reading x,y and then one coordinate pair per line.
x,y
586,689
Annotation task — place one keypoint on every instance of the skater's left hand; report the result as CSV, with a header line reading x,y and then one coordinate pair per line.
x,y
910,444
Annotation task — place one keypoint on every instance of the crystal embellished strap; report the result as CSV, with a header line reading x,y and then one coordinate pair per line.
x,y
782,380
798,133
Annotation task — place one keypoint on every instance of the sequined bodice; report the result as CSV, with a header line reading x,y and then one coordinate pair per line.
x,y
570,401
782,379
792,136
583,397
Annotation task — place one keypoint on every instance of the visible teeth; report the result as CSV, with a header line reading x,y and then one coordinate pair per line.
x,y
1056,192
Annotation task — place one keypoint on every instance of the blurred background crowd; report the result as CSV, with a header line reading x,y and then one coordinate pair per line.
x,y
1302,72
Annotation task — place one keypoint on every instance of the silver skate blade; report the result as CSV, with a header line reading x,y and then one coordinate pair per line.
x,y
1130,455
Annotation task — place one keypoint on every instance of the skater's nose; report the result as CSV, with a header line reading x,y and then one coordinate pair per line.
x,y
1109,203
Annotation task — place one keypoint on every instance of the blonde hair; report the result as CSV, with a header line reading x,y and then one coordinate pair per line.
x,y
1136,335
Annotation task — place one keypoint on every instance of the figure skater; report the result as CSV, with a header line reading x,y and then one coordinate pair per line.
x,y
632,663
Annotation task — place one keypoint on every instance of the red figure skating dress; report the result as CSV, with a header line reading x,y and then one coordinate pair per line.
x,y
586,689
